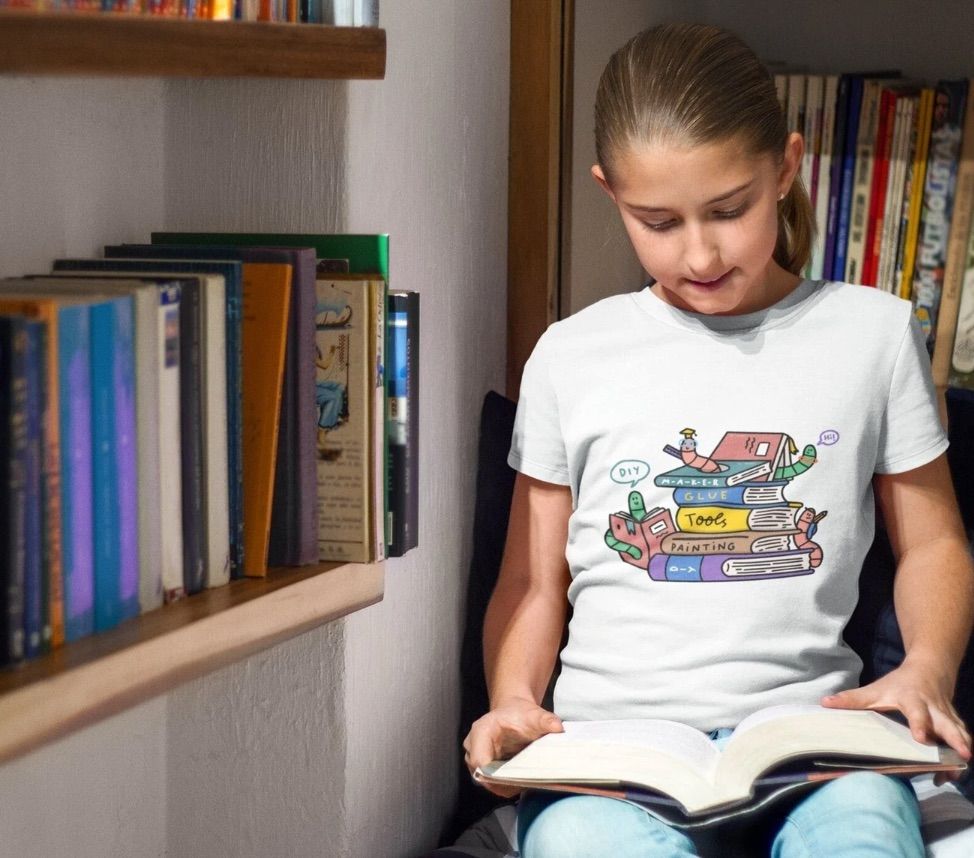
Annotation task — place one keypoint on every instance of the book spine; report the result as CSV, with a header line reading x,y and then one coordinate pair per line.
x,y
727,519
13,450
123,376
885,126
411,534
377,412
230,312
191,434
105,472
169,414
938,198
889,240
962,363
835,177
824,175
35,566
862,181
956,254
397,429
52,521
848,176
917,181
74,389
218,487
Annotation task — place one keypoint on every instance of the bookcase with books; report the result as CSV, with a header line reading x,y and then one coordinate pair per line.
x,y
96,675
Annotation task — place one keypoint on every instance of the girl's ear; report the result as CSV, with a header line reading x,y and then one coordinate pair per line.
x,y
599,176
791,162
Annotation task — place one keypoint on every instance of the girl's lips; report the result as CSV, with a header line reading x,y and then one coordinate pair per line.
x,y
710,284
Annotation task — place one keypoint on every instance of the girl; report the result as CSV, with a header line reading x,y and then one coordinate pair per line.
x,y
820,388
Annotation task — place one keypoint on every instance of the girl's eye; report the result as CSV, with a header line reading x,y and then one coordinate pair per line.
x,y
662,226
727,214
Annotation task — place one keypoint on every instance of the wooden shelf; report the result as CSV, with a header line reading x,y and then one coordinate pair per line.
x,y
103,674
123,45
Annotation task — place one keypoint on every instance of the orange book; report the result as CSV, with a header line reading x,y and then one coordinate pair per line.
x,y
46,311
266,299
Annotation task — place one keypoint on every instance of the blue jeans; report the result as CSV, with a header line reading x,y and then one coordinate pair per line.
x,y
855,816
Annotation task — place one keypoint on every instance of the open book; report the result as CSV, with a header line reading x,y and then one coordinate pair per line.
x,y
678,774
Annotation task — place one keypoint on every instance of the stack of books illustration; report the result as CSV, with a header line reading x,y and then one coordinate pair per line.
x,y
733,521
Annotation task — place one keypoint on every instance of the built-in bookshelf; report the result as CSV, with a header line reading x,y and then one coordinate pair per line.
x,y
103,674
131,45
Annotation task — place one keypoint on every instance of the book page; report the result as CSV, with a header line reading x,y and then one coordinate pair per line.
x,y
661,755
770,737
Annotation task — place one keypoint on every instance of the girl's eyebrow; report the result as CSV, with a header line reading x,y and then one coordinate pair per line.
x,y
720,199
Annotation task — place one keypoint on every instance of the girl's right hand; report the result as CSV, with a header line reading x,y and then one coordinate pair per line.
x,y
503,732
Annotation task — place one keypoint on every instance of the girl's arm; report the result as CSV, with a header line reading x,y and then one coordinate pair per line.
x,y
934,599
524,624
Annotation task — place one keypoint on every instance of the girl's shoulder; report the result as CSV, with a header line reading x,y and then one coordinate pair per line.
x,y
865,303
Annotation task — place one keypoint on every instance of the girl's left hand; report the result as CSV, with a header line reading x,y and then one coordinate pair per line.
x,y
923,695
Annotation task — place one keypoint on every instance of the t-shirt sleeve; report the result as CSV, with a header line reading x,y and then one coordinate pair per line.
x,y
538,446
912,434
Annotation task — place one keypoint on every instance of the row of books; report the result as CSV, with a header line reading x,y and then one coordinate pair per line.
x,y
888,167
339,13
177,414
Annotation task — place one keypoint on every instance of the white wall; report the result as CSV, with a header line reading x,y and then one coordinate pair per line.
x,y
341,742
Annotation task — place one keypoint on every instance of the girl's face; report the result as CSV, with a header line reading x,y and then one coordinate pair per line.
x,y
704,222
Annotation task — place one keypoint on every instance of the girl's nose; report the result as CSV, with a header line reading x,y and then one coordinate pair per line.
x,y
701,256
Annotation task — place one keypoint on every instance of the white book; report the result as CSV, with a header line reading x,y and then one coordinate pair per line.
x,y
216,468
676,772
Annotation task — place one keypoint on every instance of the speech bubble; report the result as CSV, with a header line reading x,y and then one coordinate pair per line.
x,y
629,472
828,437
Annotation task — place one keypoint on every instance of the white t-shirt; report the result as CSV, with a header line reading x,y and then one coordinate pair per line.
x,y
720,468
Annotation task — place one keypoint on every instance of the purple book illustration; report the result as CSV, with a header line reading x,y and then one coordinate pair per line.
x,y
730,567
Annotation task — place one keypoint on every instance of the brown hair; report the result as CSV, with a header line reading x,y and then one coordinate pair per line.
x,y
695,84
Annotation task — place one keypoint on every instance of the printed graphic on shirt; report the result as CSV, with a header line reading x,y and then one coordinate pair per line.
x,y
733,521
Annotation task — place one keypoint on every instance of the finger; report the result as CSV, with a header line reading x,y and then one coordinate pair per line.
x,y
952,731
853,698
920,721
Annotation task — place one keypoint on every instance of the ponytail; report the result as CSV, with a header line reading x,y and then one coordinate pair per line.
x,y
796,229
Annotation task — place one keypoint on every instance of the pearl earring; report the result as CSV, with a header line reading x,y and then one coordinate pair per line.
x,y
780,197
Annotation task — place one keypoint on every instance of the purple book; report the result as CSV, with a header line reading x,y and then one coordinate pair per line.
x,y
730,567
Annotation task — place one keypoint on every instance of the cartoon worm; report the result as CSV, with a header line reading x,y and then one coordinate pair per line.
x,y
805,461
688,453
637,509
807,524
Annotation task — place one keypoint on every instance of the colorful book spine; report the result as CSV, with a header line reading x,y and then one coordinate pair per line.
x,y
916,180
844,204
938,202
758,494
835,176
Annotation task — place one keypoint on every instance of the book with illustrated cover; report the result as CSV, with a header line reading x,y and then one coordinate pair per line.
x,y
678,774
344,391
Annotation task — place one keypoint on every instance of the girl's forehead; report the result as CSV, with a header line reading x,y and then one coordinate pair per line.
x,y
664,173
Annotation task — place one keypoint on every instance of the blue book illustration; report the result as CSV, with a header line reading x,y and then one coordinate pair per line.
x,y
740,495
74,391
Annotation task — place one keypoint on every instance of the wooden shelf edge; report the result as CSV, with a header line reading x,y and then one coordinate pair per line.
x,y
143,46
51,707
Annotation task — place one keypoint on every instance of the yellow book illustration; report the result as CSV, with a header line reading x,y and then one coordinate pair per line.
x,y
721,519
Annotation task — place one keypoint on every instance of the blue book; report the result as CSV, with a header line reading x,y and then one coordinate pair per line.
x,y
732,473
74,393
835,174
746,494
35,589
848,175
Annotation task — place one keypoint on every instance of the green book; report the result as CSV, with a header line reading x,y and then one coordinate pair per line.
x,y
366,254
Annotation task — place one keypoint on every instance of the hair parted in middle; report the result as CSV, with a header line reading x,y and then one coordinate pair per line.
x,y
692,84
